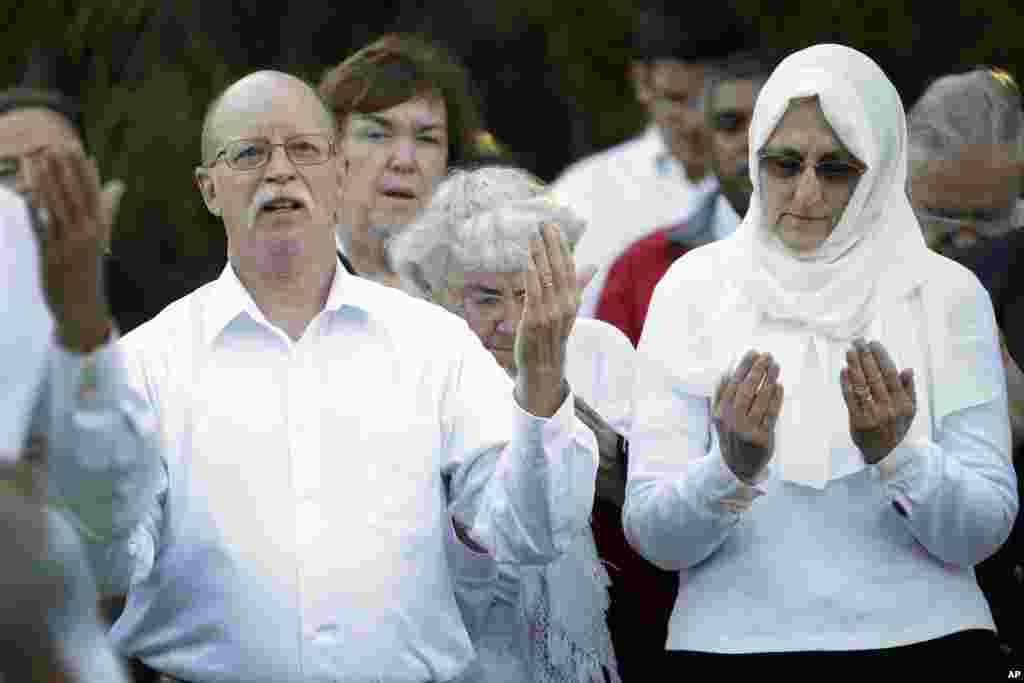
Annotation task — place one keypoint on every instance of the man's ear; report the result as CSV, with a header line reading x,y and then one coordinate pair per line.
x,y
639,76
207,188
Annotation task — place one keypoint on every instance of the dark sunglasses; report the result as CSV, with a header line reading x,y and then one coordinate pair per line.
x,y
783,166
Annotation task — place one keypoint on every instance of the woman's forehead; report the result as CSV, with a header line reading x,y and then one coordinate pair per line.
x,y
425,111
803,126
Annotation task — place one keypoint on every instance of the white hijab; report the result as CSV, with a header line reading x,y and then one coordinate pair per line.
x,y
807,310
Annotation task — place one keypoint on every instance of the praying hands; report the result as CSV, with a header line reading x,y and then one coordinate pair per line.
x,y
746,408
880,400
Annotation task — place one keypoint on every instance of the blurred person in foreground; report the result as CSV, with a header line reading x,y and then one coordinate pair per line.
x,y
966,136
32,123
468,252
298,535
817,523
49,628
661,177
406,110
729,105
53,412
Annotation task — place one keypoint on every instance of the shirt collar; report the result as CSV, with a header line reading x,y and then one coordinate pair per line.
x,y
698,229
654,148
229,299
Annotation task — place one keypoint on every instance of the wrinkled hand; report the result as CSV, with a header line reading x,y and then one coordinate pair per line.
x,y
548,317
746,408
611,467
881,401
77,235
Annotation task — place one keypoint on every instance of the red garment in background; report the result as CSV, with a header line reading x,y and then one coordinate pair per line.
x,y
641,597
631,280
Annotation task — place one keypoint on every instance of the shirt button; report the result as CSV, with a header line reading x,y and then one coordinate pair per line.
x,y
88,387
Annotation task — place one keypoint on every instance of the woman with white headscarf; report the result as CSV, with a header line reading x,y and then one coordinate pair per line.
x,y
469,252
843,514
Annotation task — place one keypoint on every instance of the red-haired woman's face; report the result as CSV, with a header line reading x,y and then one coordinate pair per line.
x,y
395,158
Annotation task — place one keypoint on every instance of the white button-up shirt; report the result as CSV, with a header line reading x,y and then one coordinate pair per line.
x,y
301,535
623,194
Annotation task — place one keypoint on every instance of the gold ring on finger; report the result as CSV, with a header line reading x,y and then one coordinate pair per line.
x,y
547,282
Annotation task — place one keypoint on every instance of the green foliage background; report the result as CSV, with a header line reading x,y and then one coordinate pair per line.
x,y
552,74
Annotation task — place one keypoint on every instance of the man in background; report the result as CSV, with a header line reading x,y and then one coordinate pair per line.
x,y
660,177
296,534
729,105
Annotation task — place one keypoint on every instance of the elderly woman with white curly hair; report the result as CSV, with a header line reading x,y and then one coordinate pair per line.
x,y
469,252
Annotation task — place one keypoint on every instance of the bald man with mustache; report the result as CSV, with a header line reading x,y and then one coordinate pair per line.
x,y
313,421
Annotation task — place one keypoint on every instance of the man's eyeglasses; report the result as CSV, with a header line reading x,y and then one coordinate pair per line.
x,y
251,153
939,224
783,166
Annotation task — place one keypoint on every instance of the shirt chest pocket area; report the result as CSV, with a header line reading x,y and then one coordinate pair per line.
x,y
392,470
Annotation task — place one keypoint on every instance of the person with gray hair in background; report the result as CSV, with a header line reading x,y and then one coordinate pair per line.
x,y
966,139
468,253
967,161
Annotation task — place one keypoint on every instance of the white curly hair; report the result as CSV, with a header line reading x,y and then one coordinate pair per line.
x,y
477,221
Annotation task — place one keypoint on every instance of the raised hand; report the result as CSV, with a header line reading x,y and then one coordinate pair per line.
x,y
880,400
746,407
76,237
548,316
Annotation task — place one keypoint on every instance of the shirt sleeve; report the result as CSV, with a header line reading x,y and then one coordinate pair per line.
x,y
958,494
522,485
682,500
28,327
956,486
105,461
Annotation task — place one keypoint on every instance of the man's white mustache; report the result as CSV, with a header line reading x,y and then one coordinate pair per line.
x,y
265,195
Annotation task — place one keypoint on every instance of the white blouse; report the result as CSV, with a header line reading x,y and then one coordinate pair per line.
x,y
782,566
